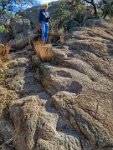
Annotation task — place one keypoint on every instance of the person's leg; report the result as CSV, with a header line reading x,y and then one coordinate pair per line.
x,y
43,31
46,31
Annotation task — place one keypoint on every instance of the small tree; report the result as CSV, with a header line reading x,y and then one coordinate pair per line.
x,y
66,11
60,14
93,3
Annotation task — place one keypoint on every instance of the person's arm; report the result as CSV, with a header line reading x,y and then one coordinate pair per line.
x,y
48,16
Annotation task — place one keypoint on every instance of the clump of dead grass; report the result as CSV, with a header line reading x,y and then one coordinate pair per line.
x,y
44,51
4,51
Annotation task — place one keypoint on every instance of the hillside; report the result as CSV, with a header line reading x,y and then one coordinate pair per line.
x,y
66,104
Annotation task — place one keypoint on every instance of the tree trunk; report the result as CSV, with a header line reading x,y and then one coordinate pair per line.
x,y
94,7
95,10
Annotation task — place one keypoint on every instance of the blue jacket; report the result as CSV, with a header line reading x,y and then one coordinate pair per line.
x,y
44,16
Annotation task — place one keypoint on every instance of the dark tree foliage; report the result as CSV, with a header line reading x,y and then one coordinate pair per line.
x,y
67,11
107,8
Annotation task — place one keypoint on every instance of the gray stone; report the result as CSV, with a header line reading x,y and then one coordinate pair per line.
x,y
20,25
73,25
95,22
22,39
32,15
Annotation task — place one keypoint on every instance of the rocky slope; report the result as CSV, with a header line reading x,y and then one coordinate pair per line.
x,y
66,104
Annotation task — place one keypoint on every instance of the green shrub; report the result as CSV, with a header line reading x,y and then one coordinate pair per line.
x,y
2,28
107,9
66,11
61,31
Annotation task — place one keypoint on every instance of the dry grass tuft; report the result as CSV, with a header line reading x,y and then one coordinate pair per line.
x,y
44,51
4,51
7,48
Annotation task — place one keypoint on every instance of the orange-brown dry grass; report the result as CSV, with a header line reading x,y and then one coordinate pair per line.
x,y
44,51
4,51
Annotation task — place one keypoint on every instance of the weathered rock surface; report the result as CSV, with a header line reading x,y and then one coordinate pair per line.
x,y
20,25
95,22
32,15
65,104
22,32
81,85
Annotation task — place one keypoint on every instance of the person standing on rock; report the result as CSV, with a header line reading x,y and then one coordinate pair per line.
x,y
44,22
